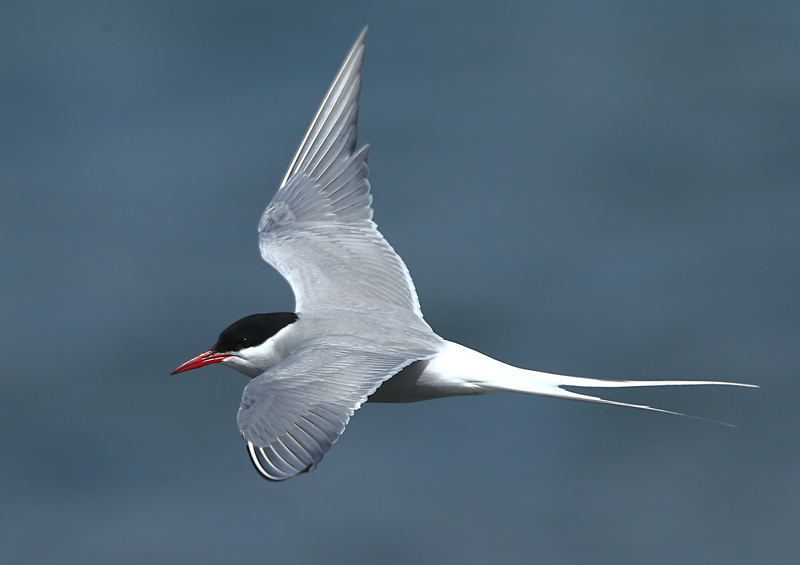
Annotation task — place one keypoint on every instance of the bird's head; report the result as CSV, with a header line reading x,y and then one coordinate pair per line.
x,y
247,345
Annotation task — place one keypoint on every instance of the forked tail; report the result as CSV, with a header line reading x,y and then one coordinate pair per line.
x,y
487,374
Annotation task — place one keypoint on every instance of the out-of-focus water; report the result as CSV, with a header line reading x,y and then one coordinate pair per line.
x,y
601,190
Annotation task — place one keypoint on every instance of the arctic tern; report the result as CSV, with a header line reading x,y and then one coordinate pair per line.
x,y
357,332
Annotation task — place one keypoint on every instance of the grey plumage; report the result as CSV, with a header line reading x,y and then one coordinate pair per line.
x,y
358,322
295,411
318,230
318,233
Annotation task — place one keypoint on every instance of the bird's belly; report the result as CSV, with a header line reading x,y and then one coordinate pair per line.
x,y
439,377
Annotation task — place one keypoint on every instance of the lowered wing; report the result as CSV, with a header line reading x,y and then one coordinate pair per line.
x,y
292,414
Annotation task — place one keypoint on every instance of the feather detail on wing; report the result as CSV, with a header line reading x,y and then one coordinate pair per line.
x,y
318,230
292,414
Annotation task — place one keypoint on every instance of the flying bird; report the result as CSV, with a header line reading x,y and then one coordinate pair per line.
x,y
357,332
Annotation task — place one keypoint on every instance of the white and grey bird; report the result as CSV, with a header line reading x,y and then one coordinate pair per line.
x,y
357,332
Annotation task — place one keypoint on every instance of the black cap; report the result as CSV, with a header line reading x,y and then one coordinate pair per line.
x,y
252,330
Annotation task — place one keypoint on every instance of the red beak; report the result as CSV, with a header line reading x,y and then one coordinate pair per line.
x,y
206,358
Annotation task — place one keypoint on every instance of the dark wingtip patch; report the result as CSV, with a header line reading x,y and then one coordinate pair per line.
x,y
257,453
252,330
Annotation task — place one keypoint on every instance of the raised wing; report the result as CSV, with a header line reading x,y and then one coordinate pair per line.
x,y
292,414
318,230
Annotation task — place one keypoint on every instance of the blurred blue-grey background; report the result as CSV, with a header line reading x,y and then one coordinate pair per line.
x,y
600,189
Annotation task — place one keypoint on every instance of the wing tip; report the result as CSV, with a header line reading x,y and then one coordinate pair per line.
x,y
352,65
363,35
254,451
